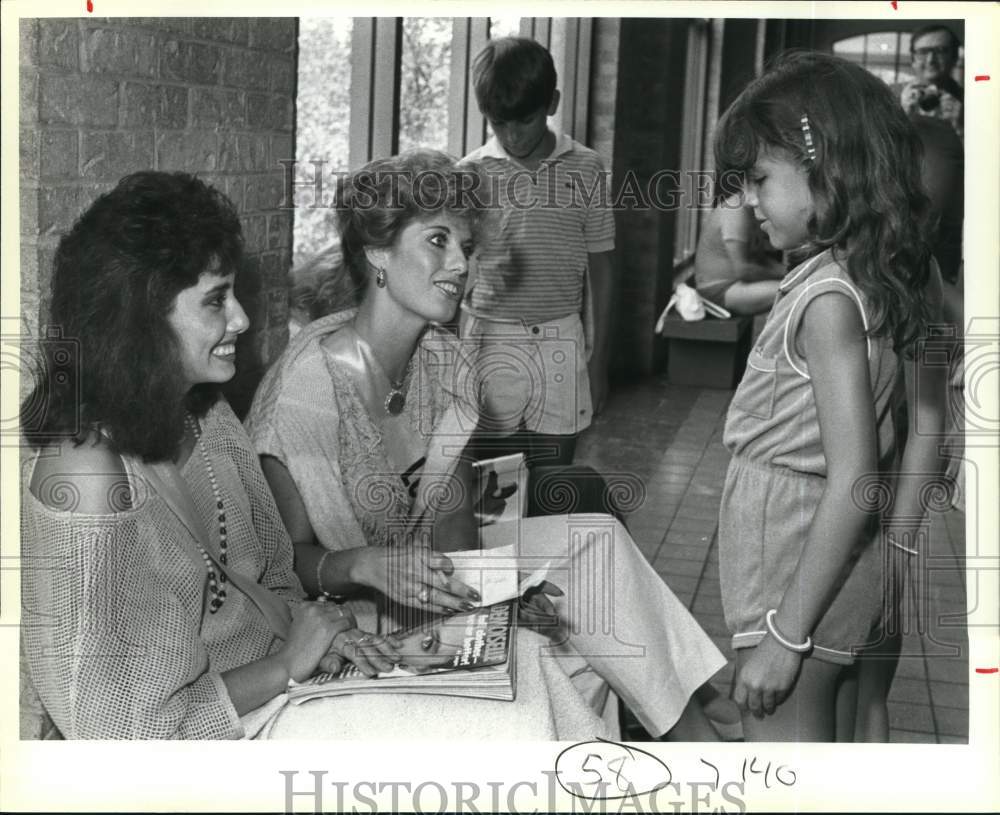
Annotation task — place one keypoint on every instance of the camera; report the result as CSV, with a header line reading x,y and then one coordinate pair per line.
x,y
929,98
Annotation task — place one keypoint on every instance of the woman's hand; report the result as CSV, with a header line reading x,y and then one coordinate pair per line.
x,y
535,609
371,653
416,576
313,629
767,678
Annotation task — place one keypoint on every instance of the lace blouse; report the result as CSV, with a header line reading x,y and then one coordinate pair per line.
x,y
309,414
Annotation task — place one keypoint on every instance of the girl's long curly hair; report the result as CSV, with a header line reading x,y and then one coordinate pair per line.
x,y
871,206
116,365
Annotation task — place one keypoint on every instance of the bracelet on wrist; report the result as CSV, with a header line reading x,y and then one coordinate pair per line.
x,y
784,642
321,592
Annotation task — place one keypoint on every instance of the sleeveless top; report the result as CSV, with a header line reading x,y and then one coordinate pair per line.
x,y
772,417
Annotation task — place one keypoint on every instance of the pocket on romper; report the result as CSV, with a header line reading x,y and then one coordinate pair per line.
x,y
755,394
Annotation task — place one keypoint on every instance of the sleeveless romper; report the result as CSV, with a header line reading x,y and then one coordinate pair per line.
x,y
778,472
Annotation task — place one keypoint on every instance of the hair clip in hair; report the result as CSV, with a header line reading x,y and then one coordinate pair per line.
x,y
808,137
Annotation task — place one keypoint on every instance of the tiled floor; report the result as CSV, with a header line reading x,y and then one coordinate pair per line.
x,y
671,437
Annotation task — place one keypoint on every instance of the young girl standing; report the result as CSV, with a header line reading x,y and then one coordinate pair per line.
x,y
830,166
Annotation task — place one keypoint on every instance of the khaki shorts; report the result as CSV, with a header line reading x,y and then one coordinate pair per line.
x,y
534,375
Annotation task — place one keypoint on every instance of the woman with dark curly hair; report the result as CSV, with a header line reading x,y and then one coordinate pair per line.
x,y
363,426
158,588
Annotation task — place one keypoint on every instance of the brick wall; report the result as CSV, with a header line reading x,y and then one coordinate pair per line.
x,y
212,96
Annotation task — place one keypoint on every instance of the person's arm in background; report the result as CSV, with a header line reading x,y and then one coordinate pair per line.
x,y
922,463
738,228
602,285
953,304
599,240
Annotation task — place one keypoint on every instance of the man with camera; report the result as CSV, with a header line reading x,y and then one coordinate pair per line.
x,y
934,92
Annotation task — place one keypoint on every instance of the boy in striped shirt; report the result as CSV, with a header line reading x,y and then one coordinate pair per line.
x,y
544,374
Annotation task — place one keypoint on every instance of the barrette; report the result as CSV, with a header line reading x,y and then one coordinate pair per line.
x,y
808,137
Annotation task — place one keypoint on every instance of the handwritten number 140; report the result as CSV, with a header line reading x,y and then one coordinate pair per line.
x,y
787,781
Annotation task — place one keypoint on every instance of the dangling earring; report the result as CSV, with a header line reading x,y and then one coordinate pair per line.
x,y
380,278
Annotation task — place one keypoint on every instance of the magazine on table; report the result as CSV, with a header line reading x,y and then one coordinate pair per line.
x,y
477,658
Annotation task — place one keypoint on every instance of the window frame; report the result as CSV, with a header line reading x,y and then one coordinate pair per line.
x,y
376,59
698,115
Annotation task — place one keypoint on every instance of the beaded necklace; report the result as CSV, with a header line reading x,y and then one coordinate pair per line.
x,y
216,580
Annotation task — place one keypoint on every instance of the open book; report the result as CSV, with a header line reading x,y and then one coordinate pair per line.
x,y
476,658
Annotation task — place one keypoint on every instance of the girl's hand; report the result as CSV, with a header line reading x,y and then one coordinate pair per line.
x,y
371,653
767,678
416,576
314,627
535,608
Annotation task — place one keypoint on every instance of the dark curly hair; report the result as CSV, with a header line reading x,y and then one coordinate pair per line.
x,y
871,206
117,274
379,200
512,77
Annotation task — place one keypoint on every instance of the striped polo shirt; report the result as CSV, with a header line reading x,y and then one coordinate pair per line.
x,y
533,267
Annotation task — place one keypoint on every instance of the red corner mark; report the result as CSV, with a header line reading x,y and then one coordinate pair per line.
x,y
90,5
982,77
895,5
987,670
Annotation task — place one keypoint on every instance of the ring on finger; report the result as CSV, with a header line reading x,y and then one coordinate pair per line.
x,y
424,595
367,639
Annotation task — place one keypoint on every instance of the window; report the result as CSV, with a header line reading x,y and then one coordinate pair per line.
x,y
505,27
886,54
323,108
425,80
369,87
701,100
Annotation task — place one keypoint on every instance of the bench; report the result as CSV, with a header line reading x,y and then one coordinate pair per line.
x,y
709,353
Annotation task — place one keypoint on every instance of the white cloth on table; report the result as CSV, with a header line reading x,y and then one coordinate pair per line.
x,y
309,417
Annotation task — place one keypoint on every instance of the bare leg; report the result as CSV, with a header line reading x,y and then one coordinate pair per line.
x,y
808,714
874,682
693,725
847,704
